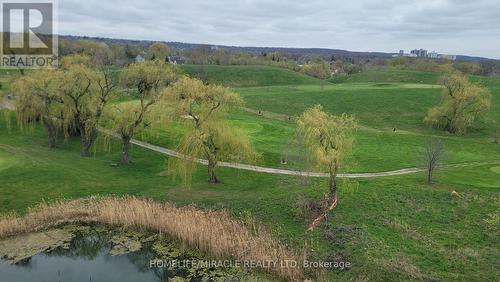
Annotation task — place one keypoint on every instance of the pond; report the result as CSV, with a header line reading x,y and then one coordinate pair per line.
x,y
103,255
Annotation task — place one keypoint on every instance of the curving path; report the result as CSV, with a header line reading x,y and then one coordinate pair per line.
x,y
269,170
172,153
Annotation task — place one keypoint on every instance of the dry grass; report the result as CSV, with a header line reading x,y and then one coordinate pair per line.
x,y
214,232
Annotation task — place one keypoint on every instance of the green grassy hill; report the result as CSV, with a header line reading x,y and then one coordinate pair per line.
x,y
380,105
384,106
382,75
244,76
390,75
374,151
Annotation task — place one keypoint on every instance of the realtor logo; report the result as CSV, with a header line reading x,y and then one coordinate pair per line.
x,y
29,35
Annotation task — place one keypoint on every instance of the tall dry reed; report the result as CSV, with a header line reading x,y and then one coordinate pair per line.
x,y
214,232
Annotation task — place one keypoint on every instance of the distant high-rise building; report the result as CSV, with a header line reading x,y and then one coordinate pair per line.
x,y
423,53
419,52
433,55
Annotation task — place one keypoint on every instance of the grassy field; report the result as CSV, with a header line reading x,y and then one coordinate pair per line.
x,y
245,76
404,230
375,151
382,106
391,229
387,75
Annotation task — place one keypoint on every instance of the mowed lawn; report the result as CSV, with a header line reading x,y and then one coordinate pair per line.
x,y
389,228
374,151
246,76
387,106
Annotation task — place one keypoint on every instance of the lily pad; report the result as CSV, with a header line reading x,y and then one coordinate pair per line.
x,y
123,245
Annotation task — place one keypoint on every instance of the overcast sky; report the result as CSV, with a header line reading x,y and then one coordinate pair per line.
x,y
447,26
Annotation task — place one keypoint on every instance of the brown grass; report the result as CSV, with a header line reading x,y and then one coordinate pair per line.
x,y
213,232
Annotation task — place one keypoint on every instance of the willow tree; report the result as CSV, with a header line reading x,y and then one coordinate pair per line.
x,y
329,140
210,137
85,92
38,99
462,104
147,81
319,69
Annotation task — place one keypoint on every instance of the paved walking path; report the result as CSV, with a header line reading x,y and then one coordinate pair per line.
x,y
269,170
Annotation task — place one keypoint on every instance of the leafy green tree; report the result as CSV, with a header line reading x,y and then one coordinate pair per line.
x,y
319,70
99,53
159,51
399,62
329,141
210,138
468,68
85,92
38,99
462,104
131,51
71,99
147,81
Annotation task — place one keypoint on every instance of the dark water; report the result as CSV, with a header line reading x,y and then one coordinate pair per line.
x,y
87,260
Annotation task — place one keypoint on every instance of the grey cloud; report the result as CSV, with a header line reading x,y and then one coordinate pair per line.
x,y
447,26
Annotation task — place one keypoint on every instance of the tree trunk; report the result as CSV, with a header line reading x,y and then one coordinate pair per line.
x,y
429,175
332,201
87,142
86,145
52,137
450,128
51,133
125,150
332,195
212,178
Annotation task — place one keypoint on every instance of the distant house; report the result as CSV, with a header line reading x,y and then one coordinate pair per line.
x,y
139,58
176,60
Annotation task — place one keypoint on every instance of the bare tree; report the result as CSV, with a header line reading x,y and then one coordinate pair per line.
x,y
433,155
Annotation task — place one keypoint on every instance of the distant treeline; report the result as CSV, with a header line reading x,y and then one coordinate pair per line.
x,y
320,63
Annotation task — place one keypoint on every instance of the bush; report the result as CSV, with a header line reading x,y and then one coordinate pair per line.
x,y
308,209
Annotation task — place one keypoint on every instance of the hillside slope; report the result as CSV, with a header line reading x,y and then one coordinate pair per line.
x,y
245,76
390,75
